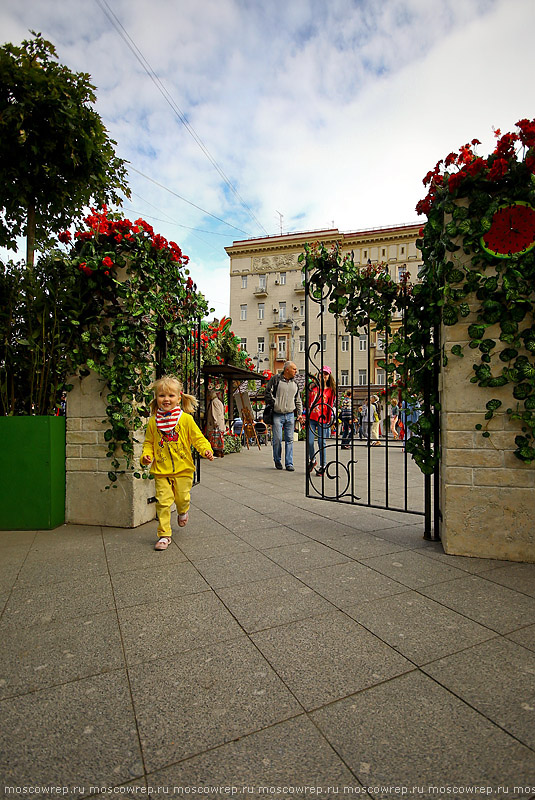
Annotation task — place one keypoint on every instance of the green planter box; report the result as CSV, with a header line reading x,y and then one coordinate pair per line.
x,y
32,489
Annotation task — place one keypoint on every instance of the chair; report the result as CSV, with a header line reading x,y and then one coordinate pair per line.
x,y
262,432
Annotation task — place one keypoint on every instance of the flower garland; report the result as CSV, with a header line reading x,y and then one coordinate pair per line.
x,y
133,288
465,192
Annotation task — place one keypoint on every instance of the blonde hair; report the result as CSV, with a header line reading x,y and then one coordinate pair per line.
x,y
187,402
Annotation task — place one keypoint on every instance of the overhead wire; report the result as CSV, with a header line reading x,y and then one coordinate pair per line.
x,y
105,8
189,202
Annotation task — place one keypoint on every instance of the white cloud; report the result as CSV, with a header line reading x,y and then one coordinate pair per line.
x,y
322,111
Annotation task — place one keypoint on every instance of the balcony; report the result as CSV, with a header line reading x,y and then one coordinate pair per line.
x,y
260,291
299,288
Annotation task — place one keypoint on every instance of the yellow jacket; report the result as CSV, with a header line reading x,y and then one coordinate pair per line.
x,y
171,453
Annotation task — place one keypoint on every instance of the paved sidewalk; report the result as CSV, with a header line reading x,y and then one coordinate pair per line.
x,y
282,645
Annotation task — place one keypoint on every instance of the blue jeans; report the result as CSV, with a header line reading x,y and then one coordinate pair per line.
x,y
286,423
321,431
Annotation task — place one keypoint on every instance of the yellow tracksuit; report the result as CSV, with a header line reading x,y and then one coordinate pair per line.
x,y
172,466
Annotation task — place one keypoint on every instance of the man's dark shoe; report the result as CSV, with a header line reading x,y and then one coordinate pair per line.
x,y
291,468
278,466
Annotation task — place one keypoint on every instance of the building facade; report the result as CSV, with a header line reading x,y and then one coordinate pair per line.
x,y
267,299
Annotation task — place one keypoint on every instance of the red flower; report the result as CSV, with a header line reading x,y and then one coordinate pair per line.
x,y
498,169
65,236
530,164
107,262
455,181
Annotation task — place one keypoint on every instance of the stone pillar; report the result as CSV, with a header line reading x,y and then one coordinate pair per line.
x,y
488,494
88,502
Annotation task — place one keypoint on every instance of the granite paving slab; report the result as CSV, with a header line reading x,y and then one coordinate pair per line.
x,y
238,568
212,545
205,698
162,582
289,754
496,678
328,657
346,584
412,732
520,577
80,734
413,569
264,604
272,535
524,636
418,627
298,557
159,630
359,546
42,605
32,658
466,563
39,571
486,602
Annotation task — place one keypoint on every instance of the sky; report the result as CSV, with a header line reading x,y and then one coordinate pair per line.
x,y
246,118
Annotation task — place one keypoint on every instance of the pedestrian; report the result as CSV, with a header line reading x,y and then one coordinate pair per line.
x,y
171,432
394,418
346,418
360,422
283,398
215,423
321,413
376,420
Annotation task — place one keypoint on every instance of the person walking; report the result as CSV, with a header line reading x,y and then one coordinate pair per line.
x,y
215,423
171,432
322,412
284,398
346,418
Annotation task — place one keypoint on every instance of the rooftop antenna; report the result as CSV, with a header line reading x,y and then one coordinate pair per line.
x,y
280,220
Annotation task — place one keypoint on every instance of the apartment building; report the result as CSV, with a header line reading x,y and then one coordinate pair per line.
x,y
267,299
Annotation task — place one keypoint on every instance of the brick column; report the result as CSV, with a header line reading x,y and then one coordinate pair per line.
x,y
88,502
488,494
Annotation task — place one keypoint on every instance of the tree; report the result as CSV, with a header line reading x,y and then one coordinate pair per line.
x,y
55,153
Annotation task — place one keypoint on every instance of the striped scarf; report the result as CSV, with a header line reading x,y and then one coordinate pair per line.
x,y
167,420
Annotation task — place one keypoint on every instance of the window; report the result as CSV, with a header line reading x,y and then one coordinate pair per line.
x,y
363,341
283,279
345,344
261,281
243,311
383,253
243,344
281,347
381,377
282,311
380,343
302,308
365,254
402,251
260,347
301,344
344,377
401,272
363,378
261,310
323,342
244,281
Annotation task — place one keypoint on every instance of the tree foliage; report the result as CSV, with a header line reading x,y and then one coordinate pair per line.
x,y
55,153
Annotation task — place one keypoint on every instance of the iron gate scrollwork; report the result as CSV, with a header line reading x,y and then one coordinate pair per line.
x,y
185,363
370,466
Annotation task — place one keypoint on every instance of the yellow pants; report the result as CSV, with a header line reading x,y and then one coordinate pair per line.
x,y
175,489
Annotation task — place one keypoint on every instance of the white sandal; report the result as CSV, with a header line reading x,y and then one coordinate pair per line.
x,y
183,519
162,543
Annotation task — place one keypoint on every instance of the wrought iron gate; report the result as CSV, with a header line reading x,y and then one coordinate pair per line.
x,y
186,365
367,465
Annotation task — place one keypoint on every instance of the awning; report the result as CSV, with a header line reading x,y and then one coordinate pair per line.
x,y
230,372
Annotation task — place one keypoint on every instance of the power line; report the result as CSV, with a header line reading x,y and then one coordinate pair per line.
x,y
123,33
169,220
186,201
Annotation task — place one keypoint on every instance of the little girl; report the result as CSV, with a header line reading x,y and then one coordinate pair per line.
x,y
170,433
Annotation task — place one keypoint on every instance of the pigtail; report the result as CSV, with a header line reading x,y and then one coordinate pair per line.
x,y
188,403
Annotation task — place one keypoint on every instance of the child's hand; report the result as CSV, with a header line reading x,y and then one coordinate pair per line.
x,y
146,460
209,455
